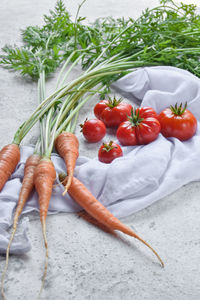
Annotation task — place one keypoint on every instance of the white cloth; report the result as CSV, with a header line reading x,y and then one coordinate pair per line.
x,y
142,176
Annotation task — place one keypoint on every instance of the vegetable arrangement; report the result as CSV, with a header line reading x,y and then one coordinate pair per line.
x,y
106,50
142,126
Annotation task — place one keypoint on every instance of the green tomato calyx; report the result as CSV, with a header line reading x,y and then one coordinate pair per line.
x,y
113,102
135,118
108,146
178,110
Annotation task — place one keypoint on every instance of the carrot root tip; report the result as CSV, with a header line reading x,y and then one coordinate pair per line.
x,y
65,191
152,249
46,255
7,260
69,181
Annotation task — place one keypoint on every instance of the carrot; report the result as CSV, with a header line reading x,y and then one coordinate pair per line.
x,y
27,187
86,200
85,216
67,147
44,177
9,158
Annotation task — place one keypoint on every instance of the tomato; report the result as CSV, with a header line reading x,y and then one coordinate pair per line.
x,y
141,128
177,122
93,130
99,107
108,152
112,112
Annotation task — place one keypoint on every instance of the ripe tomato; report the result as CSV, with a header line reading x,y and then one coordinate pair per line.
x,y
99,107
141,128
93,130
108,152
112,112
177,122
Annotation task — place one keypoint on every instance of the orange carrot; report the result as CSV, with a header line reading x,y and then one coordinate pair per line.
x,y
9,158
86,200
27,187
85,216
44,177
27,184
67,147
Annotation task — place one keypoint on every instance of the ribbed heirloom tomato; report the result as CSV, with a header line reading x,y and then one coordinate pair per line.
x,y
177,122
112,112
109,151
141,127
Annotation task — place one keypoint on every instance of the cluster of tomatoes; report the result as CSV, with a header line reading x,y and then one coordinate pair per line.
x,y
138,126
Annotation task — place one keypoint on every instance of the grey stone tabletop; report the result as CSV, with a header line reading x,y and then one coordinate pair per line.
x,y
85,262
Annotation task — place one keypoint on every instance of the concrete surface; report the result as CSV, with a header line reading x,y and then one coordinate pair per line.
x,y
85,262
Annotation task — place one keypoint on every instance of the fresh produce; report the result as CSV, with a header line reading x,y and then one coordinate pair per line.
x,y
93,130
109,151
177,121
9,158
67,146
107,50
112,112
142,127
86,200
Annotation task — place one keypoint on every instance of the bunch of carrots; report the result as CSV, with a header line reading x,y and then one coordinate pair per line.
x,y
57,115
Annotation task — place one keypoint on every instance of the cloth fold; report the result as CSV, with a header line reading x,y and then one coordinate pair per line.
x,y
130,183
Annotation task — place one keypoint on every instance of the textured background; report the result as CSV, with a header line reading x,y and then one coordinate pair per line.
x,y
85,262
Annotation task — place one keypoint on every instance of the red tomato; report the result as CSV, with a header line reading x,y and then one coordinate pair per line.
x,y
112,112
99,107
177,122
108,152
93,130
141,128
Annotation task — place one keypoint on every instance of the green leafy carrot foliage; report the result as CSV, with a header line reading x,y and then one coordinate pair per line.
x,y
165,35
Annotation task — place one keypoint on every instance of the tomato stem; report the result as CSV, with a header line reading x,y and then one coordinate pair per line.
x,y
113,102
134,118
178,110
81,125
108,146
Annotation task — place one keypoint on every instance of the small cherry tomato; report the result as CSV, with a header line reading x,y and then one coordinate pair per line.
x,y
108,152
112,112
93,130
141,127
177,121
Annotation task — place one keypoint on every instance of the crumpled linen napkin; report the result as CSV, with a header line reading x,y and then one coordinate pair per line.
x,y
130,183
